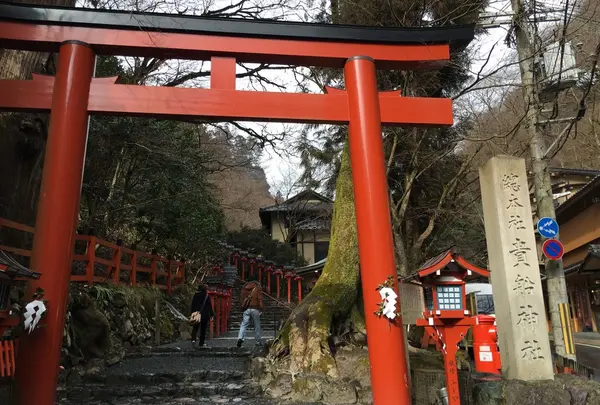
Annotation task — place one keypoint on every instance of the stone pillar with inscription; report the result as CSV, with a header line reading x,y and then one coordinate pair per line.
x,y
513,263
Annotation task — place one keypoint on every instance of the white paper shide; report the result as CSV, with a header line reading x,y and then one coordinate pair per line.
x,y
389,298
33,313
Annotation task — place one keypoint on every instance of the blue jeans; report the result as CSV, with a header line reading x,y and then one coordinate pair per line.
x,y
255,315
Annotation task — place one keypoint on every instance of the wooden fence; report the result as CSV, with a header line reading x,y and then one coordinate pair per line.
x,y
99,261
7,357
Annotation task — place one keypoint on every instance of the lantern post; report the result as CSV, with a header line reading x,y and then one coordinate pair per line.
x,y
260,260
299,279
269,270
278,274
289,275
252,263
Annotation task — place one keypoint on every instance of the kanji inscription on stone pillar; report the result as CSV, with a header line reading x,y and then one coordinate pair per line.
x,y
513,264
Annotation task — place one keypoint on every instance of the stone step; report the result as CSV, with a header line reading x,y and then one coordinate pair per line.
x,y
109,392
180,400
196,352
165,378
185,348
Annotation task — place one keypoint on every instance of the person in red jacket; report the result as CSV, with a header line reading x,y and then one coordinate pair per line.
x,y
251,300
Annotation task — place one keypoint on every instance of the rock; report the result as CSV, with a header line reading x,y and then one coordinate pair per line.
x,y
578,396
258,367
308,388
115,352
577,385
119,300
280,386
94,369
488,393
365,396
339,393
126,330
91,331
74,377
535,393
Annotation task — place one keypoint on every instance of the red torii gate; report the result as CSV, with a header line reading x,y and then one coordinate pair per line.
x,y
81,34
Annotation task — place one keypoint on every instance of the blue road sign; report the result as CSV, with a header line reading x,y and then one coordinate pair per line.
x,y
553,249
548,227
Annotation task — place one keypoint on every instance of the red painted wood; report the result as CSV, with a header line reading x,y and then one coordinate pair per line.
x,y
389,371
185,103
47,38
56,220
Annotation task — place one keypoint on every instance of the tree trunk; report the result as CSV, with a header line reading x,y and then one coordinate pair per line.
x,y
306,334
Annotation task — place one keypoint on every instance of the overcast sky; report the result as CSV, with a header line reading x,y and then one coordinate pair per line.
x,y
489,52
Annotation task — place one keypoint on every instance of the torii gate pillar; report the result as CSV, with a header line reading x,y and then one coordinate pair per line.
x,y
389,379
58,207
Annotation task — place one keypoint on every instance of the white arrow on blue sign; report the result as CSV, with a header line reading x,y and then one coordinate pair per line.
x,y
548,227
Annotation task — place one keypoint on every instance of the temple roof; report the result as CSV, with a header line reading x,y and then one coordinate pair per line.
x,y
316,205
584,198
590,264
10,268
450,261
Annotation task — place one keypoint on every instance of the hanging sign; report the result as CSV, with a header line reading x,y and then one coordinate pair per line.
x,y
553,249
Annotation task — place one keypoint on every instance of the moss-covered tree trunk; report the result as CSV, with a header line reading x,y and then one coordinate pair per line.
x,y
306,335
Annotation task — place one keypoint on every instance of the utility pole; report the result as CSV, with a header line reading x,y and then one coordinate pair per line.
x,y
555,275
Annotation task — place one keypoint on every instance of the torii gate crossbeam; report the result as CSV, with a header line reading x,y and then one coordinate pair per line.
x,y
80,34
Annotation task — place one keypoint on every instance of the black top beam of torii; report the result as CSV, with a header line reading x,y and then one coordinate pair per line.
x,y
457,36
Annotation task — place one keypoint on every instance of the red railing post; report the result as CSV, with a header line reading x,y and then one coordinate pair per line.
x,y
56,221
225,311
211,294
278,273
3,352
182,268
389,372
169,275
251,262
269,270
299,280
217,310
154,268
133,275
289,276
117,260
91,258
244,261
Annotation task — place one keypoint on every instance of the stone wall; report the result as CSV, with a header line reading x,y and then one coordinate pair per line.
x,y
353,382
105,321
353,386
563,390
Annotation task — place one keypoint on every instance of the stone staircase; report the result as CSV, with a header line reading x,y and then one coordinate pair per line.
x,y
172,374
181,373
274,314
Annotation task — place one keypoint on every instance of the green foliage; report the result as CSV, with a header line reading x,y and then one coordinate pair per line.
x,y
103,295
427,176
259,242
146,181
